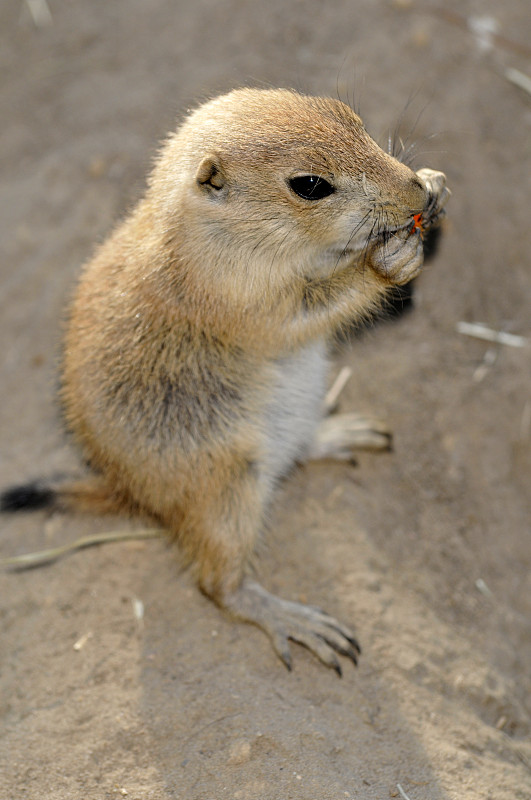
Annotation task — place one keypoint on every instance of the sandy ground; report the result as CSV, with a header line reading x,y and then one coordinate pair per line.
x,y
426,550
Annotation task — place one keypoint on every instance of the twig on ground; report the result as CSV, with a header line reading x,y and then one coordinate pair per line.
x,y
402,792
335,390
40,12
482,587
519,79
480,331
138,609
28,560
81,642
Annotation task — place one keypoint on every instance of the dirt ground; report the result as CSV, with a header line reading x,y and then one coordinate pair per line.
x,y
426,550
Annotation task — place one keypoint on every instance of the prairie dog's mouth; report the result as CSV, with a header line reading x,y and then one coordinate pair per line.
x,y
392,232
383,236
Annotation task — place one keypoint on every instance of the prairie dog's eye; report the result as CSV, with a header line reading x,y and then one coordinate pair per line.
x,y
311,187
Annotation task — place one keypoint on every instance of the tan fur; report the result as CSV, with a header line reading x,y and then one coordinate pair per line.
x,y
191,321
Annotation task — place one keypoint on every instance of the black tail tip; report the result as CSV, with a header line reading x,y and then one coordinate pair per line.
x,y
30,497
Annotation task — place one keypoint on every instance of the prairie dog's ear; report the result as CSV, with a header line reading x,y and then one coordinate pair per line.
x,y
210,174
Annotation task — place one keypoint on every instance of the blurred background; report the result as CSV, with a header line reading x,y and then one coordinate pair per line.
x,y
427,549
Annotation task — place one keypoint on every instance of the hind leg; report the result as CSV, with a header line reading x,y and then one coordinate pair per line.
x,y
219,533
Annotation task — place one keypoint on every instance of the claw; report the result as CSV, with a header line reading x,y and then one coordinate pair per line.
x,y
337,667
282,620
286,660
349,652
354,644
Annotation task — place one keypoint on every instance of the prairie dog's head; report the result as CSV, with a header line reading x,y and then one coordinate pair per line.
x,y
274,183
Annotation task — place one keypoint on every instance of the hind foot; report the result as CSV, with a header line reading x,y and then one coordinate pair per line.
x,y
339,436
282,620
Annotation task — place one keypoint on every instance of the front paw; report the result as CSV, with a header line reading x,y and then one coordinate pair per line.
x,y
399,257
437,196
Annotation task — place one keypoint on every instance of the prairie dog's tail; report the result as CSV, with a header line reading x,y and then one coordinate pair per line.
x,y
91,495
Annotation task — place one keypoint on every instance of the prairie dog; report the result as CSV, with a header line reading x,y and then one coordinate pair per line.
x,y
195,356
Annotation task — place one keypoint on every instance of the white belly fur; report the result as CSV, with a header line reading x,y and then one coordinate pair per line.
x,y
295,408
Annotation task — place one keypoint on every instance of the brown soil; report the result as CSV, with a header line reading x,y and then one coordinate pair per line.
x,y
427,550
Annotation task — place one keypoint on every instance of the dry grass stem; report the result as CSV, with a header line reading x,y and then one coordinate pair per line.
x,y
40,12
402,792
519,79
28,560
480,331
335,390
81,642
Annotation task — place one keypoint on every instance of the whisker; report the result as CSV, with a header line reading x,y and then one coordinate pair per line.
x,y
411,132
411,153
355,230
